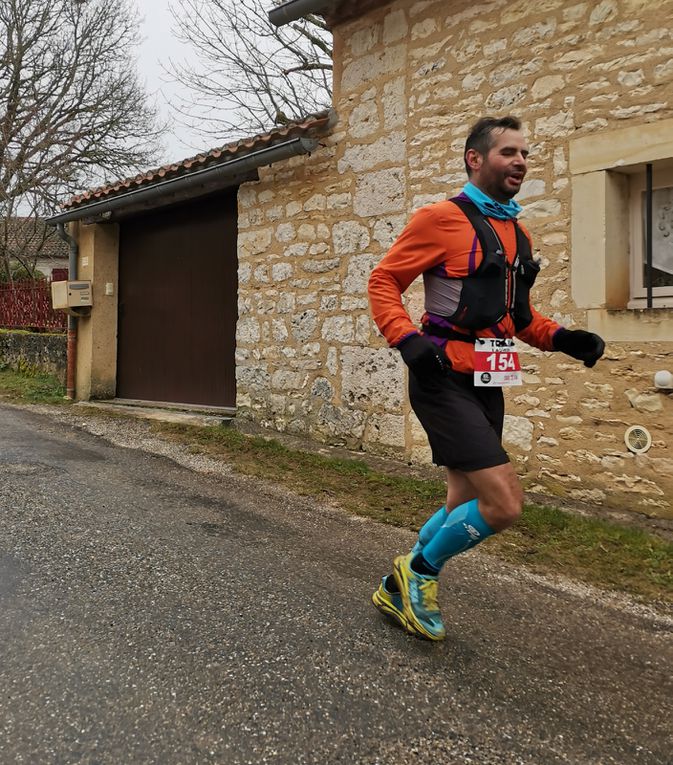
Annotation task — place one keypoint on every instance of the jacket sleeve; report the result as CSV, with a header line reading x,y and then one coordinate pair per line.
x,y
540,332
419,247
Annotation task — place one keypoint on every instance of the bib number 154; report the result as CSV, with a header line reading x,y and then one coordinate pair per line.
x,y
496,362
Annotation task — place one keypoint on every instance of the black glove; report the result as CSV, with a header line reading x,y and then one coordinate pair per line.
x,y
582,345
423,357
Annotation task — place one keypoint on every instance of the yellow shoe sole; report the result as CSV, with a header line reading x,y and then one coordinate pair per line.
x,y
394,613
399,573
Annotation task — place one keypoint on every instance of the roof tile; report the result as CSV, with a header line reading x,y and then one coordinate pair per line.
x,y
309,125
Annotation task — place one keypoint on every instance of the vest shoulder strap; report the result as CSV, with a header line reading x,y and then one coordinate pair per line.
x,y
488,239
522,243
485,232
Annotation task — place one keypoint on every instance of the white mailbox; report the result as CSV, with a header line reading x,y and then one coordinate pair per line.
x,y
70,295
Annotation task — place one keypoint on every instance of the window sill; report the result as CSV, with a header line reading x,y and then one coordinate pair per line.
x,y
640,304
652,325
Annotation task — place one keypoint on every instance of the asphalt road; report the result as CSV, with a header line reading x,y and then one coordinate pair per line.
x,y
150,613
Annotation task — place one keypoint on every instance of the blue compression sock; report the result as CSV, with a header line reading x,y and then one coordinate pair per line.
x,y
429,529
463,528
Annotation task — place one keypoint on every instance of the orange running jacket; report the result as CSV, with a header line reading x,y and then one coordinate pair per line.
x,y
439,236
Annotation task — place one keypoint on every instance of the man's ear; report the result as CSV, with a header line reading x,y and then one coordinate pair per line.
x,y
473,159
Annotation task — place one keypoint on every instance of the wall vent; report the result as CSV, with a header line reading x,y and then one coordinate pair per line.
x,y
638,439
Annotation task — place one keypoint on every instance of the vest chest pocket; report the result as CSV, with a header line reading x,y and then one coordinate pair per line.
x,y
526,273
483,297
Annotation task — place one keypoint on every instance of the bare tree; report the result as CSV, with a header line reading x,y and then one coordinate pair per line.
x,y
249,75
72,109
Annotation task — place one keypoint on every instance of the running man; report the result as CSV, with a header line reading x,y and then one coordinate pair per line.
x,y
477,267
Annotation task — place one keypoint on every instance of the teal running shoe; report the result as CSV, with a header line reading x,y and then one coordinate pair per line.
x,y
419,599
390,604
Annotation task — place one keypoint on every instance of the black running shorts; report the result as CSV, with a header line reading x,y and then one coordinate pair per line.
x,y
463,423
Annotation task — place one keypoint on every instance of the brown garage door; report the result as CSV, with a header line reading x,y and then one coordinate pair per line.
x,y
177,304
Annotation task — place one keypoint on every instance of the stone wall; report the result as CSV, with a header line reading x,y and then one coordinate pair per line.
x,y
34,351
409,79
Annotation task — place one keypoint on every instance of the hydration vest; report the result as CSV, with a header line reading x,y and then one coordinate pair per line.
x,y
496,288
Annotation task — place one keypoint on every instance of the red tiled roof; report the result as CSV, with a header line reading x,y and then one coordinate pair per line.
x,y
314,124
30,235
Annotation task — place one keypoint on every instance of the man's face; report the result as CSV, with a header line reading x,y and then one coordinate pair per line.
x,y
501,172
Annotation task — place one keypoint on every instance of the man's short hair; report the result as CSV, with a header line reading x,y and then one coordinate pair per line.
x,y
481,135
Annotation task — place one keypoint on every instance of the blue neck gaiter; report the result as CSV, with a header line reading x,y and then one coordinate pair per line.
x,y
488,206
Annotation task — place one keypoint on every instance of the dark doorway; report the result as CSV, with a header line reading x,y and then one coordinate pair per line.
x,y
178,304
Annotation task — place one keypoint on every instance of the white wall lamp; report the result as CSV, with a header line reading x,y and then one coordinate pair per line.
x,y
663,380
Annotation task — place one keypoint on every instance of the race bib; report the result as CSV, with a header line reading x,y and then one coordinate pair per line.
x,y
496,362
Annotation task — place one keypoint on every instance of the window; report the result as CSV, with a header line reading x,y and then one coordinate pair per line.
x,y
624,298
660,274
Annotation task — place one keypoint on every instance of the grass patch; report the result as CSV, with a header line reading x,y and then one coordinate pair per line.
x,y
546,540
29,386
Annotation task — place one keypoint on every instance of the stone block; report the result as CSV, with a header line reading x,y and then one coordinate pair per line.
x,y
495,47
664,72
371,66
286,303
423,28
254,242
350,303
365,39
473,81
644,402
389,148
347,424
544,208
631,79
279,330
320,266
248,331
556,125
518,432
339,201
506,97
363,329
338,329
387,429
380,192
253,378
544,86
296,251
288,380
315,202
322,388
395,27
592,496
394,104
304,325
532,188
359,270
285,232
280,272
532,33
604,11
372,377
364,119
387,229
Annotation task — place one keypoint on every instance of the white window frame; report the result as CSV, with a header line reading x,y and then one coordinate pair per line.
x,y
662,297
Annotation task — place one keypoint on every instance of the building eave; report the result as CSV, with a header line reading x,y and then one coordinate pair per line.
x,y
207,173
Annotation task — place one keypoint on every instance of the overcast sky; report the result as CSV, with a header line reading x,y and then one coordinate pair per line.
x,y
157,46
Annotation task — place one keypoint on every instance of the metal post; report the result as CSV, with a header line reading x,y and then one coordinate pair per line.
x,y
648,232
71,366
